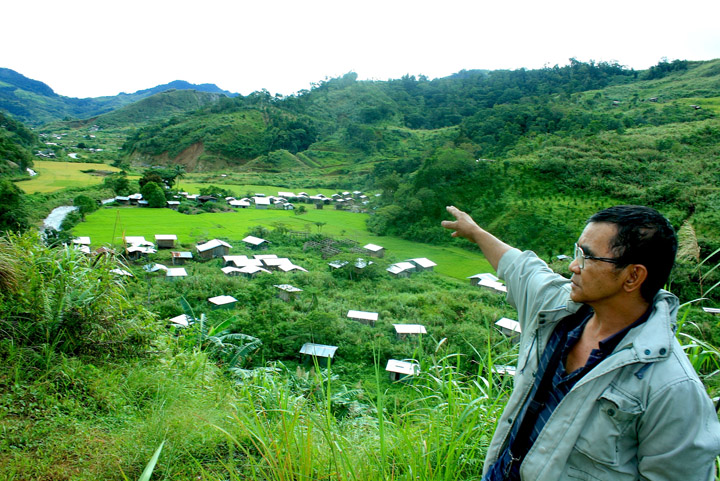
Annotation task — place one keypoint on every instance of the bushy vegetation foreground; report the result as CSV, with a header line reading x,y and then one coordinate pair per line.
x,y
94,380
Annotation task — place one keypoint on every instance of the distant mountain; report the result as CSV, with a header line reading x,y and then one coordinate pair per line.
x,y
158,106
183,85
35,103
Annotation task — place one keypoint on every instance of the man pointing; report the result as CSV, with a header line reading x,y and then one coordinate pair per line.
x,y
603,390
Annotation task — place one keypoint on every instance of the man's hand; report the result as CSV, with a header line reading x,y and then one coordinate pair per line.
x,y
464,226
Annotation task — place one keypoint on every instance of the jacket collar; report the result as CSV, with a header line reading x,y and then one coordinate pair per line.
x,y
651,341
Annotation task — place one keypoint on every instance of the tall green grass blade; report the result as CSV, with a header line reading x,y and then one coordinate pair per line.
x,y
147,472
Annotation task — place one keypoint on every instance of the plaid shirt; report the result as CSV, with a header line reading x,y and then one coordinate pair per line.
x,y
565,336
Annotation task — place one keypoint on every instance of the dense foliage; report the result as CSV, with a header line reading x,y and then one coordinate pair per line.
x,y
16,143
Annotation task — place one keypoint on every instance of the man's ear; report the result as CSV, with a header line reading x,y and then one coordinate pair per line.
x,y
637,274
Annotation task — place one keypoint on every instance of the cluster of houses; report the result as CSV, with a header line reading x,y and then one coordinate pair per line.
x,y
354,201
137,247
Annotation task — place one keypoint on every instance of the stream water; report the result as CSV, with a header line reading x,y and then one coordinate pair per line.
x,y
54,220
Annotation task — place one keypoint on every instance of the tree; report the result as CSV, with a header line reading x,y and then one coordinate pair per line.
x,y
150,176
85,205
153,193
13,215
118,183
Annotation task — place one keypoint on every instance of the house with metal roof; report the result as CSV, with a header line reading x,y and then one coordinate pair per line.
x,y
286,292
401,269
402,331
165,241
255,243
222,302
212,249
374,250
508,327
175,273
402,370
364,317
183,320
318,353
179,258
422,264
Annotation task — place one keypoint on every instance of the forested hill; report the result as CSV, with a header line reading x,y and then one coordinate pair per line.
x,y
528,152
35,103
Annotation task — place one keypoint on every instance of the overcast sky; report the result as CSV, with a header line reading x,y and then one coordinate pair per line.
x,y
91,48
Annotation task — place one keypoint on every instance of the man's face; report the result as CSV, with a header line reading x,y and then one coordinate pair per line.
x,y
598,281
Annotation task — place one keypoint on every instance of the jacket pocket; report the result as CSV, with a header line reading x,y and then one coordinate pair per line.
x,y
612,421
573,473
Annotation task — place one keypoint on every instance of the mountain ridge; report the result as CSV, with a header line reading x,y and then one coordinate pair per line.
x,y
39,104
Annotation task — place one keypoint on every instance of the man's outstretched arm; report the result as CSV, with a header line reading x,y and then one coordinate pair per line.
x,y
464,226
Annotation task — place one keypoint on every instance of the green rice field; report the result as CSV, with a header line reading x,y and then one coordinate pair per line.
x,y
107,226
54,176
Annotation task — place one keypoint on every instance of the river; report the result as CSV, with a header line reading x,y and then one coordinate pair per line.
x,y
54,220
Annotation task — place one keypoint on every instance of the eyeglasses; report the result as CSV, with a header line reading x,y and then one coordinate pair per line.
x,y
580,257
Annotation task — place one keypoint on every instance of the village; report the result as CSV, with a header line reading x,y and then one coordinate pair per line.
x,y
253,262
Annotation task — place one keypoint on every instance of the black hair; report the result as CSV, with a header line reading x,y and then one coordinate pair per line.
x,y
644,236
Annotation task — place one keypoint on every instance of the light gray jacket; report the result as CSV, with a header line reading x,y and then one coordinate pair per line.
x,y
641,414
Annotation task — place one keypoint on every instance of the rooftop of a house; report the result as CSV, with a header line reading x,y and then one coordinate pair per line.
x,y
402,367
410,329
319,350
253,240
222,300
367,316
212,245
176,272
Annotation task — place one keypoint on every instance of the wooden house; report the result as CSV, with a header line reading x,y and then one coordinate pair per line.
x,y
486,275
401,269
402,331
183,320
261,202
319,354
422,264
175,273
374,250
255,243
286,292
236,261
179,258
222,302
165,241
173,204
508,327
252,271
213,249
402,370
137,252
364,317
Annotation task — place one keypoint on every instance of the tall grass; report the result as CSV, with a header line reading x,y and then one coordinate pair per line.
x,y
287,433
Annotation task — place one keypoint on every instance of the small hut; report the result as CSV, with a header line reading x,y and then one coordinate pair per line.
x,y
212,249
402,331
286,292
317,353
222,302
509,327
374,250
364,317
402,370
165,241
255,243
179,258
